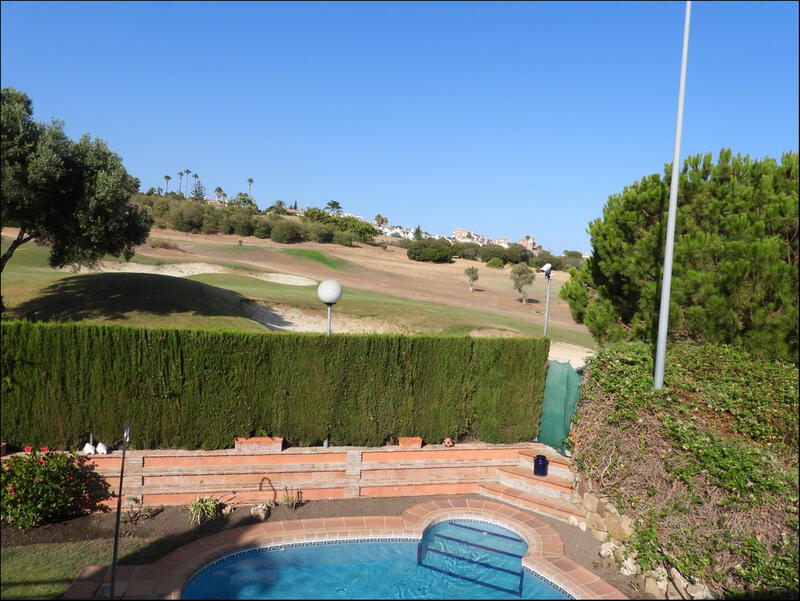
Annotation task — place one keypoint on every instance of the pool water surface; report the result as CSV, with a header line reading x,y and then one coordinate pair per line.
x,y
455,559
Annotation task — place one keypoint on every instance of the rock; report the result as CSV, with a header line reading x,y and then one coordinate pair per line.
x,y
660,573
260,511
607,549
680,582
573,521
582,526
593,520
656,588
699,591
590,501
619,527
672,592
580,488
629,566
611,509
600,535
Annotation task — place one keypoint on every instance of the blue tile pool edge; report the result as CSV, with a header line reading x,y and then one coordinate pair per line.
x,y
372,539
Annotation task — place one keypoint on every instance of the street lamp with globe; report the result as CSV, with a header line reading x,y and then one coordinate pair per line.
x,y
547,271
329,292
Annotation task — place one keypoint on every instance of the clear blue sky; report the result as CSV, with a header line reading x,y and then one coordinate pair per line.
x,y
506,119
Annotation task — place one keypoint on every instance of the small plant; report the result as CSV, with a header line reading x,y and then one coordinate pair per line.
x,y
135,511
291,499
495,263
41,488
164,244
204,508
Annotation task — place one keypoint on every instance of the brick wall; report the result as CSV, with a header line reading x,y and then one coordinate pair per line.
x,y
178,477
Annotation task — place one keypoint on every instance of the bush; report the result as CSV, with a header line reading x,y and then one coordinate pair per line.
x,y
487,252
435,251
197,389
186,217
343,238
241,222
39,489
466,250
285,231
262,229
401,242
495,263
319,232
212,218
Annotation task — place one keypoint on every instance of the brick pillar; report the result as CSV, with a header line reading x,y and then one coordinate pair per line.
x,y
352,487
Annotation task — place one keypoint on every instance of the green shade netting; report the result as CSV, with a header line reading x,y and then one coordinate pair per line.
x,y
562,388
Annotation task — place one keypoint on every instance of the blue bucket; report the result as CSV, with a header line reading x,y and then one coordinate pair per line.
x,y
540,466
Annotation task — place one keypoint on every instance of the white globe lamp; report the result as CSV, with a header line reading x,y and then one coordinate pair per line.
x,y
329,292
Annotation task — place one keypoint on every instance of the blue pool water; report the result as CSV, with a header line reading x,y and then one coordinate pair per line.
x,y
457,559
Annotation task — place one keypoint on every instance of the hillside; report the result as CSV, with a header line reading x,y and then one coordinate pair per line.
x,y
384,290
707,467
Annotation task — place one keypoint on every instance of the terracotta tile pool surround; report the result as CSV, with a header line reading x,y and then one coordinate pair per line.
x,y
166,578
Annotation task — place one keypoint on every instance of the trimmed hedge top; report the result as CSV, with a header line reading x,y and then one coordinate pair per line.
x,y
199,389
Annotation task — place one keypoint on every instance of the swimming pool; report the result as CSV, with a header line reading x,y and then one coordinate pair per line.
x,y
455,559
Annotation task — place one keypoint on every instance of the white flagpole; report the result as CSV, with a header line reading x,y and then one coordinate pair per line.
x,y
663,315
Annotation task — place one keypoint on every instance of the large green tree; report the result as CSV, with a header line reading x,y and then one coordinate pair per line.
x,y
735,270
72,196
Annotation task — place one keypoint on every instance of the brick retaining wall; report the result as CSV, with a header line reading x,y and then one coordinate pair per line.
x,y
177,477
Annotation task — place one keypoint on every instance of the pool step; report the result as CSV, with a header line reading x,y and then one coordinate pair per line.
x,y
555,508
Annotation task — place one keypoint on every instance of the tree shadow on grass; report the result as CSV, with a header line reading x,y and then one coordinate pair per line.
x,y
113,296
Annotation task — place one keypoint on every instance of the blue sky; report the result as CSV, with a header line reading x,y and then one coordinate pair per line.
x,y
504,118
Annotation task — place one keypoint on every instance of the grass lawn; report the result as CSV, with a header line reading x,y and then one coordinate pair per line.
x,y
34,290
45,571
318,257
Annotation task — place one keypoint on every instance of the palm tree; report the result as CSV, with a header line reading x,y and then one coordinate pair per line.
x,y
166,179
278,207
249,183
180,182
218,192
187,172
334,207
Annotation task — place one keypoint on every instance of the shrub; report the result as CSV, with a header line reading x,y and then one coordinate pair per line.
x,y
343,238
41,488
495,263
285,231
242,222
262,229
435,251
487,252
319,232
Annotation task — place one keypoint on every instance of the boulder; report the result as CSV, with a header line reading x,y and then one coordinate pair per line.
x,y
629,566
594,521
619,527
590,501
655,587
607,549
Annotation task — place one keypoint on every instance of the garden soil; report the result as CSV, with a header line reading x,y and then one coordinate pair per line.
x,y
170,528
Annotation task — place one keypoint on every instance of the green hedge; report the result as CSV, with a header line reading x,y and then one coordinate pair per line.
x,y
195,389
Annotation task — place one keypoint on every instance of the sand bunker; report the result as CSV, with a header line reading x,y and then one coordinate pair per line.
x,y
182,270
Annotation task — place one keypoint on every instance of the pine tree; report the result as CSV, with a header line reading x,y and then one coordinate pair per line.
x,y
735,269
